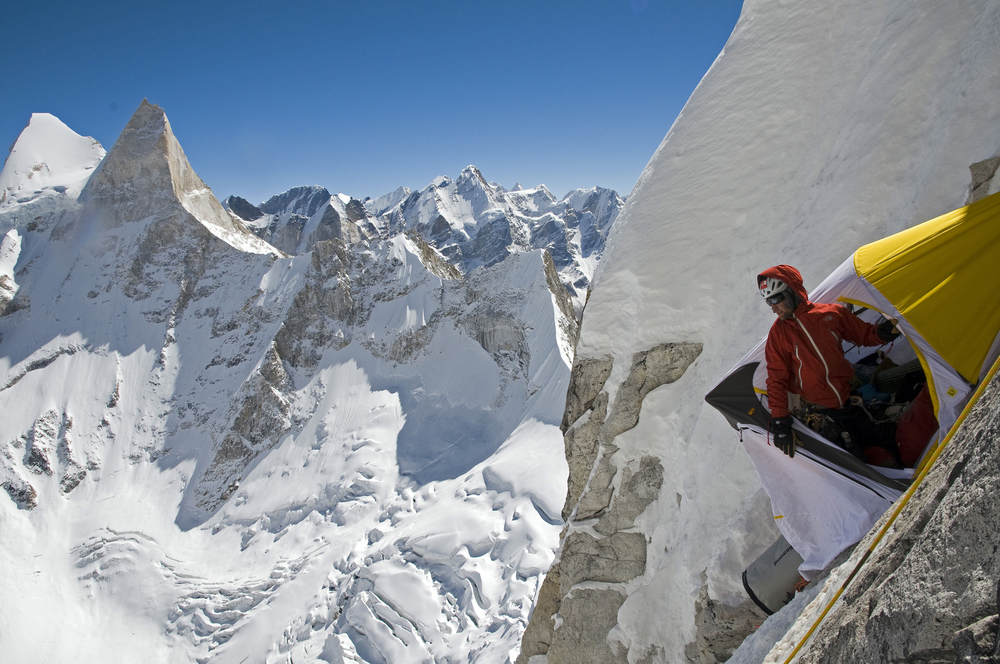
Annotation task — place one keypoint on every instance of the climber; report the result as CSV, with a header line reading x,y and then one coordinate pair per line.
x,y
805,357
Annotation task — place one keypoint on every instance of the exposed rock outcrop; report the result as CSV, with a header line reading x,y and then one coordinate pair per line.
x,y
243,208
262,416
146,175
657,366
616,554
7,290
323,310
46,450
10,251
589,375
432,259
582,445
587,617
984,179
468,222
720,628
296,220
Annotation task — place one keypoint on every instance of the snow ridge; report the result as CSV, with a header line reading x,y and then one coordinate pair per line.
x,y
48,158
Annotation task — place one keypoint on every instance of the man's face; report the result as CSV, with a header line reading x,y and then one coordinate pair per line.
x,y
782,308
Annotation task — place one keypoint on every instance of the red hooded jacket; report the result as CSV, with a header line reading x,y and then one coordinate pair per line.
x,y
805,354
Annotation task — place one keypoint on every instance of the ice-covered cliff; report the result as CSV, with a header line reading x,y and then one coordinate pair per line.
x,y
821,126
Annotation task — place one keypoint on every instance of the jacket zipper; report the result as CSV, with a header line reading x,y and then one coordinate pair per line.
x,y
798,358
822,359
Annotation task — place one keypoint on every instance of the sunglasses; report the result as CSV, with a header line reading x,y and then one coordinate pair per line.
x,y
775,299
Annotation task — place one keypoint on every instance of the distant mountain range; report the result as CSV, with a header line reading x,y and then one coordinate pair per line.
x,y
471,222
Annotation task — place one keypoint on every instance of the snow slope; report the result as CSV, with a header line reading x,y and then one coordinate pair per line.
x,y
47,158
211,450
821,126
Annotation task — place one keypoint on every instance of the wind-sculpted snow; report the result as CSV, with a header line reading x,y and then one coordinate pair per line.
x,y
211,451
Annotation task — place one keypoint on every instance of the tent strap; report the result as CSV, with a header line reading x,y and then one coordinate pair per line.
x,y
899,507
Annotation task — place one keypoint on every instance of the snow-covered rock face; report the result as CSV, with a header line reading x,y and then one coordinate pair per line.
x,y
474,222
299,218
213,450
821,126
470,221
10,250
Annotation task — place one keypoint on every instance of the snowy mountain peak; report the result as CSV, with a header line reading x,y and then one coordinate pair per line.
x,y
301,200
378,206
543,190
294,221
347,452
47,158
243,208
146,173
142,151
471,175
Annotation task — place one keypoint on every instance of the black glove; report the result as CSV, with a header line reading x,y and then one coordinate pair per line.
x,y
886,331
784,439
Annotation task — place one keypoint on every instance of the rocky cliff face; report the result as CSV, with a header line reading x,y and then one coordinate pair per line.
x,y
300,217
602,553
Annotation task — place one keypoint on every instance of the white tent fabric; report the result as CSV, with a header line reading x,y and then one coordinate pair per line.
x,y
820,509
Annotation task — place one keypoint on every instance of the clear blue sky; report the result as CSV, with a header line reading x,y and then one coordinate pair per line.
x,y
367,95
